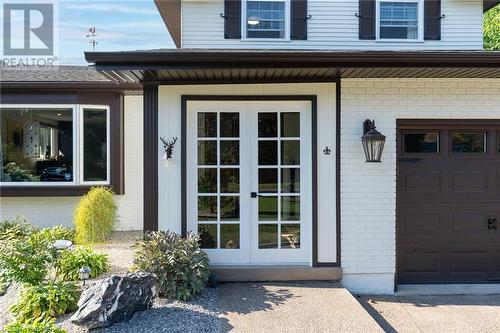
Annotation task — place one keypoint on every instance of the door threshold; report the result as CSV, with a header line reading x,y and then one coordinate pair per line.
x,y
447,289
261,273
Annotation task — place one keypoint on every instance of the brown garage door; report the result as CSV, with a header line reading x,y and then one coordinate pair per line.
x,y
448,201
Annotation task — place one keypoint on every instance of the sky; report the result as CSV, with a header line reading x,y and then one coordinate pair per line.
x,y
120,25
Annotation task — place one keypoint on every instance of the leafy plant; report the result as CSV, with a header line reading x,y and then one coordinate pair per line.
x,y
95,216
70,261
26,260
4,282
14,229
49,299
57,232
491,27
180,265
46,326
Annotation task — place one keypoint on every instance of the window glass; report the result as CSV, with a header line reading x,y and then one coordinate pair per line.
x,y
399,20
95,150
36,145
468,142
425,142
265,19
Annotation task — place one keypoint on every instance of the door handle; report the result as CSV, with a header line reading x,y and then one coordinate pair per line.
x,y
492,223
254,195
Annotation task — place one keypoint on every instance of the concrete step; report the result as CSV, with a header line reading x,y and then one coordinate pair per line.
x,y
249,273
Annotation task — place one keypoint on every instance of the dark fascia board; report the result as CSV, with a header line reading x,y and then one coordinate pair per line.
x,y
60,85
195,59
488,4
170,11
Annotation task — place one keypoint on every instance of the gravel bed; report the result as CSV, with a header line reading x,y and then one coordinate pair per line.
x,y
198,315
6,301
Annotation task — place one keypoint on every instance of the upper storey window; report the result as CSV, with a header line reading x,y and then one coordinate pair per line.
x,y
399,20
266,19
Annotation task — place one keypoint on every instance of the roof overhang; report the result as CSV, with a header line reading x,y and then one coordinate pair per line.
x,y
190,66
488,4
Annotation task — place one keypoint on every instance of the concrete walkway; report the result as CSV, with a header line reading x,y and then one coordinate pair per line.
x,y
291,307
443,313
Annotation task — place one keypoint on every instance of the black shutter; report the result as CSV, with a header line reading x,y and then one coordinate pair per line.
x,y
432,19
299,19
366,18
232,19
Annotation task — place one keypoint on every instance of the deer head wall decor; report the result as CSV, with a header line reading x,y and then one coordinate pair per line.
x,y
168,146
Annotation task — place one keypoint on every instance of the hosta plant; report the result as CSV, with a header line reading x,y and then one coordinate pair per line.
x,y
46,300
26,260
46,326
70,261
95,216
15,229
179,264
57,232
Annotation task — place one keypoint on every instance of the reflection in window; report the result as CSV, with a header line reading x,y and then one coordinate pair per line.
x,y
265,19
36,145
421,142
399,20
468,142
95,149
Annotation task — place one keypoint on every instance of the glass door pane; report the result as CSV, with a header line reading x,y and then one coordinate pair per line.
x,y
218,194
278,160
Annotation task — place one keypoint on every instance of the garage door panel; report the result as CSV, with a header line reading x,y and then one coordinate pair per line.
x,y
444,202
421,222
469,182
469,222
466,262
422,182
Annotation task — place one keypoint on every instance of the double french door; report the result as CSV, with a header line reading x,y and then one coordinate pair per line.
x,y
249,180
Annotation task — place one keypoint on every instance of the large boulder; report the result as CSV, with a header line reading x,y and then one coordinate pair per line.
x,y
115,299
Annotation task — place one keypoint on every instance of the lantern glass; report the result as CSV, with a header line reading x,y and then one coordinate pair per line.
x,y
373,145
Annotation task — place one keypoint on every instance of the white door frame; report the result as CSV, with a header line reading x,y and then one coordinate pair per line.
x,y
248,253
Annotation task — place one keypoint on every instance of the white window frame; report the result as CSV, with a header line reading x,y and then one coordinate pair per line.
x,y
420,24
77,118
244,37
81,110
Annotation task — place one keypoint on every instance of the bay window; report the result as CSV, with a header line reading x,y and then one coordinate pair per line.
x,y
54,145
400,20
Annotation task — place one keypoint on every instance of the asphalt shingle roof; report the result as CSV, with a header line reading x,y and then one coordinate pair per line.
x,y
53,74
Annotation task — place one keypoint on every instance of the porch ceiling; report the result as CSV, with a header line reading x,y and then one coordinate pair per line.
x,y
190,66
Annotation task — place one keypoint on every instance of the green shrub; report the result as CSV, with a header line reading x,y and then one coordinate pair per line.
x,y
70,261
49,299
95,216
14,229
36,327
57,232
5,281
26,260
179,264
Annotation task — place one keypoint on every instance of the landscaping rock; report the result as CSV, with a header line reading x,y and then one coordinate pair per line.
x,y
115,299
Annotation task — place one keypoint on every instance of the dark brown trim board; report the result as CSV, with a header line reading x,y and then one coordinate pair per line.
x,y
311,98
115,100
150,164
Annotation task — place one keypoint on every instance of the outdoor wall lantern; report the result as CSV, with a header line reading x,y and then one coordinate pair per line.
x,y
168,146
373,141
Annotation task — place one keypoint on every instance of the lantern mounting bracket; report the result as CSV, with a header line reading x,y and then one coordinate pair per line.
x,y
368,125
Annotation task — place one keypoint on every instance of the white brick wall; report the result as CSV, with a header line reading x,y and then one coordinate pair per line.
x,y
47,211
368,190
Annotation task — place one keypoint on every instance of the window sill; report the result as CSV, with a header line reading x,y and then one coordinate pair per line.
x,y
44,191
266,40
407,41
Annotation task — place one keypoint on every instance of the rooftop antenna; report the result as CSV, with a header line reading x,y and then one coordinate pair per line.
x,y
91,36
